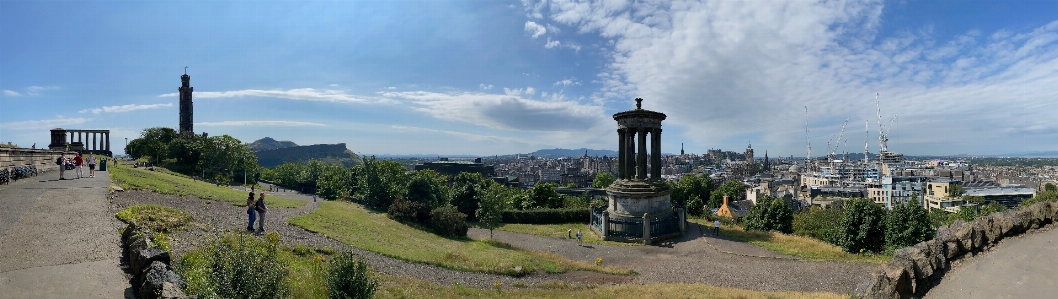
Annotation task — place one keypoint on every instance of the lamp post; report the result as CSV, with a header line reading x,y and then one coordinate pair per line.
x,y
126,147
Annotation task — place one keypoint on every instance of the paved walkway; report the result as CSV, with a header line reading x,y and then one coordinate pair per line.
x,y
1024,267
58,239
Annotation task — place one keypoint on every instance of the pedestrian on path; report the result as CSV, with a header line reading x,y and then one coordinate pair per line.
x,y
569,233
250,205
716,227
261,211
78,161
62,165
314,198
579,241
91,166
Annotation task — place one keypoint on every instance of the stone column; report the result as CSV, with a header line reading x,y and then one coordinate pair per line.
x,y
642,173
655,153
107,137
605,224
95,146
621,153
683,219
630,157
646,229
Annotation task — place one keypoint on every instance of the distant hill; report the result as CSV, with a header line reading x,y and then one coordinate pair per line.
x,y
327,153
561,152
268,143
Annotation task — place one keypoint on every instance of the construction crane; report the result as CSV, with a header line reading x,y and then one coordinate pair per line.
x,y
881,135
841,134
885,138
808,159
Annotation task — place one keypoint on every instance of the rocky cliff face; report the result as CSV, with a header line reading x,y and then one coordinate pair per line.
x,y
268,143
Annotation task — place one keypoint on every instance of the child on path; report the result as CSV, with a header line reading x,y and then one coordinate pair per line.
x,y
62,166
91,166
250,205
261,211
78,161
579,241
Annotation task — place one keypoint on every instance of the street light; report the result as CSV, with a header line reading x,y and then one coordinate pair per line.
x,y
126,147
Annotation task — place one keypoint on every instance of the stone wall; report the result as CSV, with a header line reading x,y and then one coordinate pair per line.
x,y
916,269
44,160
153,275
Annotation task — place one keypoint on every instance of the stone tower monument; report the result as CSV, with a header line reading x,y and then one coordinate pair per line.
x,y
186,110
638,208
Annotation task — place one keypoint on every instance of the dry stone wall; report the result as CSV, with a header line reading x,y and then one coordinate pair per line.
x,y
153,275
914,270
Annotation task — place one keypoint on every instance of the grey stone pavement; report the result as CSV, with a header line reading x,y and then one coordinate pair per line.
x,y
1023,267
58,240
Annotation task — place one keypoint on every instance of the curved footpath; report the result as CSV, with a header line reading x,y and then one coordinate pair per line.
x,y
1022,267
58,239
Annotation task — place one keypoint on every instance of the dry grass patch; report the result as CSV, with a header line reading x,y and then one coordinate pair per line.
x,y
795,245
560,231
161,182
403,287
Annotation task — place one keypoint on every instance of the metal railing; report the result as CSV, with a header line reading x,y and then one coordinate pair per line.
x,y
660,226
625,227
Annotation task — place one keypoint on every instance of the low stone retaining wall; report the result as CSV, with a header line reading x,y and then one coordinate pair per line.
x,y
153,277
43,160
916,269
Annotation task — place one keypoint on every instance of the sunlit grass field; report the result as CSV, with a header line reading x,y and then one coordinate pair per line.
x,y
357,226
166,183
795,245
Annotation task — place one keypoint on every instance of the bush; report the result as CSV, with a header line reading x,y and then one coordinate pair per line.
x,y
907,224
156,218
348,277
448,221
408,211
862,226
695,206
770,214
235,266
818,223
547,216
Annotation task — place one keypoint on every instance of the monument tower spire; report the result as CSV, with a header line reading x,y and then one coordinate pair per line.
x,y
186,109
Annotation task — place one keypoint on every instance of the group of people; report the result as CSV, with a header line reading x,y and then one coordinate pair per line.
x,y
256,209
76,163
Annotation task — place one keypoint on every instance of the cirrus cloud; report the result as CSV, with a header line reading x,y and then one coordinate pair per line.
x,y
301,94
505,112
124,108
266,123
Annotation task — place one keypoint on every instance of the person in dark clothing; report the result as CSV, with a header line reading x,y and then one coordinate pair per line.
x,y
262,209
250,205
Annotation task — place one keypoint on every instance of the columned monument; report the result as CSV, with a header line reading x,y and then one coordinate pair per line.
x,y
85,141
186,110
638,208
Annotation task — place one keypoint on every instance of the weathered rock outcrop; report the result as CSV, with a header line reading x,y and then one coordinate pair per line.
x,y
150,265
914,270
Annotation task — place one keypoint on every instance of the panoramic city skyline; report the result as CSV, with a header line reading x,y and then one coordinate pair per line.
x,y
504,77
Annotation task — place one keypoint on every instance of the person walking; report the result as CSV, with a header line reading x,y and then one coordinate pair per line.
x,y
716,227
579,241
78,161
91,165
569,233
62,165
262,209
250,210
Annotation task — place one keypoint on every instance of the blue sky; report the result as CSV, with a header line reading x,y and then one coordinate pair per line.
x,y
502,77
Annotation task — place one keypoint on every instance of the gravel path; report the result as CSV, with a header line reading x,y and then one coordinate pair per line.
x,y
1021,267
696,258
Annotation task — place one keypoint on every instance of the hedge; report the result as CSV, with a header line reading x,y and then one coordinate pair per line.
x,y
546,216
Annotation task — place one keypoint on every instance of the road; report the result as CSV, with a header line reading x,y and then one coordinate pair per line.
x,y
1024,267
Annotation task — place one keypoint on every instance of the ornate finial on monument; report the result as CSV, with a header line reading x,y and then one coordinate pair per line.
x,y
639,103
185,70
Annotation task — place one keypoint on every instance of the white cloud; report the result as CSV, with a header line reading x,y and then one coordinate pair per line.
x,y
334,85
535,29
482,86
567,82
269,123
125,108
56,122
35,90
302,94
391,88
725,70
551,44
506,112
463,135
11,93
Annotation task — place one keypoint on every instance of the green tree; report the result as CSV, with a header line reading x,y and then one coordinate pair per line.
x,y
818,223
491,206
603,180
862,226
907,224
467,191
542,196
381,182
1050,187
733,189
770,214
336,182
427,187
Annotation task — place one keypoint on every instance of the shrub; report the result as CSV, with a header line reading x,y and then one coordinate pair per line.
x,y
862,226
770,214
155,218
348,277
448,221
408,211
818,223
235,266
907,224
695,206
547,216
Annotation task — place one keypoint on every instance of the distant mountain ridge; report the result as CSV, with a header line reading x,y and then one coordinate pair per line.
x,y
268,143
326,153
561,152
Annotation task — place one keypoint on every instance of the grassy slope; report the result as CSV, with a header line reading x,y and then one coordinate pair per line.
x,y
794,245
559,231
161,182
352,224
402,287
